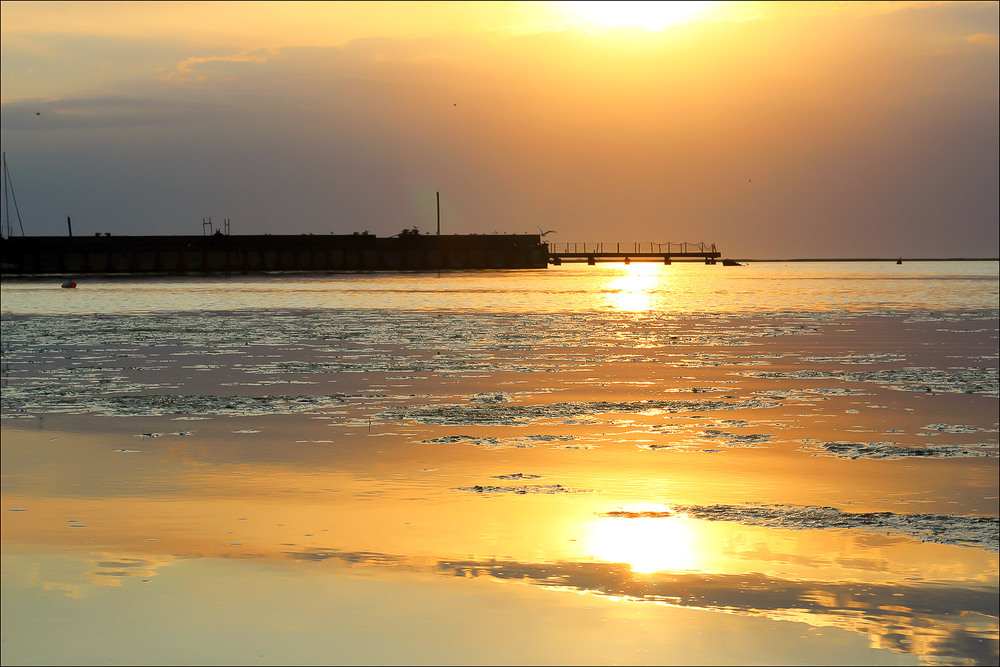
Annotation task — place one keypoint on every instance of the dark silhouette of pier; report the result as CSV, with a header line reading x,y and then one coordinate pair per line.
x,y
408,251
221,253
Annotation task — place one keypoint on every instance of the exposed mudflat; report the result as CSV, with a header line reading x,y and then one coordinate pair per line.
x,y
895,450
967,531
521,490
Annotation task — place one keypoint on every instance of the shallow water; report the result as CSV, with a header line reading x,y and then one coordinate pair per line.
x,y
758,287
686,464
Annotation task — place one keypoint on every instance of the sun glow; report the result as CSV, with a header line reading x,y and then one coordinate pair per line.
x,y
646,544
647,15
633,291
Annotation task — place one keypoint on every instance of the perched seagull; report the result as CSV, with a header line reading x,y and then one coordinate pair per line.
x,y
541,233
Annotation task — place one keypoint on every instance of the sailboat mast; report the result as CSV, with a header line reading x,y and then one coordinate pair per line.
x,y
6,201
8,185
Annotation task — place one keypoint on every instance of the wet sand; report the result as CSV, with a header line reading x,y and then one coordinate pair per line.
x,y
798,490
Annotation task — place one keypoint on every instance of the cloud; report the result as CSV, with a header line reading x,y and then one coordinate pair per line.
x,y
983,38
198,69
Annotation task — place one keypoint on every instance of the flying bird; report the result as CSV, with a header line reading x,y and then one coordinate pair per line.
x,y
541,233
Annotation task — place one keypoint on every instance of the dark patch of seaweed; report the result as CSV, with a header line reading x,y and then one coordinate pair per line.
x,y
505,414
893,450
967,380
167,404
966,531
522,490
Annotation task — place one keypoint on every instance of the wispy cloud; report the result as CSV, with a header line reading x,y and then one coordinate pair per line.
x,y
198,69
984,38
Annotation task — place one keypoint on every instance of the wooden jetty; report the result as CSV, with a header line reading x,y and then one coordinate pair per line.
x,y
664,253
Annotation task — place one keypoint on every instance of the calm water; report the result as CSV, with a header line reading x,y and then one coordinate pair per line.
x,y
680,288
772,464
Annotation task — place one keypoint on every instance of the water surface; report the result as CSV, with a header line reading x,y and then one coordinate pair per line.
x,y
685,464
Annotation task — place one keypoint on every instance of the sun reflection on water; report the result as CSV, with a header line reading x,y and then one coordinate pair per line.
x,y
657,542
633,290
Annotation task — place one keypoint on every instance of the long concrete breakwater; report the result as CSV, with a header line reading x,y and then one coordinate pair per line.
x,y
220,253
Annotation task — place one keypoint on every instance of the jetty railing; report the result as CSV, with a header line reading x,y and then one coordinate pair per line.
x,y
667,248
645,251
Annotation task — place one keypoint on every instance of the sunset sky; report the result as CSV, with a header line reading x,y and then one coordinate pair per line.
x,y
771,129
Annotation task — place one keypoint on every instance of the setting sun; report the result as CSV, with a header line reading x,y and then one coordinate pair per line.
x,y
647,15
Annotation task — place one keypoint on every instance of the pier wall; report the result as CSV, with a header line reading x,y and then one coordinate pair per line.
x,y
218,253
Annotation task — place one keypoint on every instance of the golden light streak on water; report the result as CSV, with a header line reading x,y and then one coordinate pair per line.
x,y
633,290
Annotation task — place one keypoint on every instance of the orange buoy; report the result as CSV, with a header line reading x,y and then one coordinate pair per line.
x,y
69,283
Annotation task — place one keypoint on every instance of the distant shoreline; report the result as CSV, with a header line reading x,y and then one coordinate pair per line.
x,y
878,259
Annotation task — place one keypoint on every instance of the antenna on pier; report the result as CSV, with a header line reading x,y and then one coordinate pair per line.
x,y
226,224
438,194
206,224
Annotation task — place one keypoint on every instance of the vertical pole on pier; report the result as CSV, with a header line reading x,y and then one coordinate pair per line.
x,y
69,224
438,196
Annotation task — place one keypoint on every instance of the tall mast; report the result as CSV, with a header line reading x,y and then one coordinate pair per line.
x,y
6,201
7,184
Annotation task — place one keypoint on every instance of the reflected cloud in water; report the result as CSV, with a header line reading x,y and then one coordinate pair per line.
x,y
937,621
